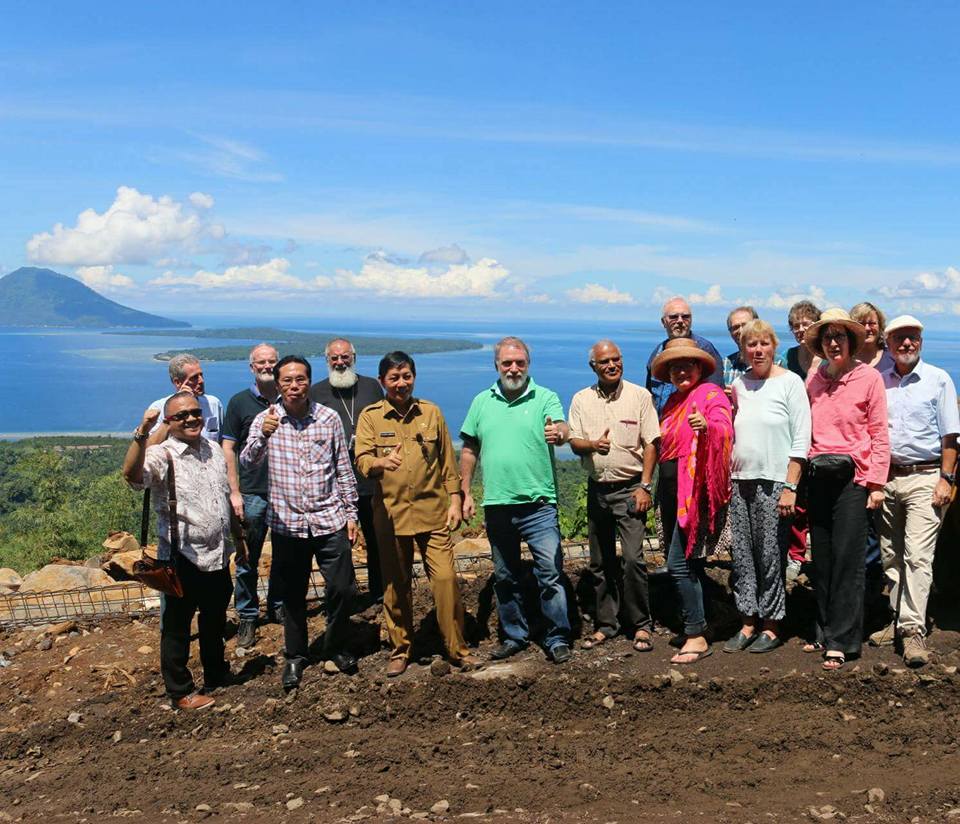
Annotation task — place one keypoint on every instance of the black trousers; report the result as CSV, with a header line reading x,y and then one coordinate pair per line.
x,y
206,592
374,574
838,536
620,589
292,563
667,501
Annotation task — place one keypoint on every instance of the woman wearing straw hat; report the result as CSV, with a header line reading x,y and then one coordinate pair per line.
x,y
848,465
696,437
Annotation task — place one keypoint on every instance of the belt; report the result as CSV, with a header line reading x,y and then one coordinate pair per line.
x,y
617,484
910,469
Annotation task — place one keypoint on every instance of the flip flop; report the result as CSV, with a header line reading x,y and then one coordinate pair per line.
x,y
596,640
699,656
641,643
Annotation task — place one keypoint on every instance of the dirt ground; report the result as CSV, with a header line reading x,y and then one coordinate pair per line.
x,y
85,733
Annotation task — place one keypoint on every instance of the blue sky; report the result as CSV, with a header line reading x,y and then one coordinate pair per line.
x,y
527,159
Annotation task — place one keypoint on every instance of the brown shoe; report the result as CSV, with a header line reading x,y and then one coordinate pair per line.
x,y
195,701
884,637
468,663
915,652
397,666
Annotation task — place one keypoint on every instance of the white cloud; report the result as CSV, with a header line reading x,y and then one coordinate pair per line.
x,y
272,276
450,255
595,293
201,200
136,228
712,297
103,278
926,285
385,276
222,157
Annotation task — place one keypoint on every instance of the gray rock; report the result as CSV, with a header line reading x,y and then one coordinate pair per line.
x,y
439,667
295,803
440,807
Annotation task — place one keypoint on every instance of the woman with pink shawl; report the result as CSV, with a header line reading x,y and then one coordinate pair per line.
x,y
696,439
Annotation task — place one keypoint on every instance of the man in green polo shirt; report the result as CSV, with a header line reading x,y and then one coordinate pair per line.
x,y
513,427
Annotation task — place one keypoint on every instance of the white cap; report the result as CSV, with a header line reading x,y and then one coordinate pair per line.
x,y
903,322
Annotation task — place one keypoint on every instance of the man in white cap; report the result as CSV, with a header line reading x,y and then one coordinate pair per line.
x,y
924,424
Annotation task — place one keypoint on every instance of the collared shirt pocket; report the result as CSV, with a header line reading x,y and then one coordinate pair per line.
x,y
626,433
321,453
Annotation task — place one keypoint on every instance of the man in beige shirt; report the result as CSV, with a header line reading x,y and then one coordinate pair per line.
x,y
614,430
403,443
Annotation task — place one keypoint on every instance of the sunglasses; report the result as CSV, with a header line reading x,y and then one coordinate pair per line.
x,y
186,414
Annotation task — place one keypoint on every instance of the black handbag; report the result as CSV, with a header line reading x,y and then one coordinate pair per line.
x,y
831,466
152,572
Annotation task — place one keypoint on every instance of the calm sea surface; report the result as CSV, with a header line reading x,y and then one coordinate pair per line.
x,y
88,381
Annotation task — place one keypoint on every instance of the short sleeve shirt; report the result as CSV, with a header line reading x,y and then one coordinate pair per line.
x,y
922,410
516,461
241,410
629,416
212,415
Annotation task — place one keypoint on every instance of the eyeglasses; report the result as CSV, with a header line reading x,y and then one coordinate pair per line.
x,y
679,316
520,363
186,414
300,380
835,336
335,358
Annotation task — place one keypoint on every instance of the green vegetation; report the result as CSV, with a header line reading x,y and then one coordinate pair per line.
x,y
60,497
308,344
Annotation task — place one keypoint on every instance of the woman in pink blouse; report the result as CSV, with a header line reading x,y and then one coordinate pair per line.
x,y
849,460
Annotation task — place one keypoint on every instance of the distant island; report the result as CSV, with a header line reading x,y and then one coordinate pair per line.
x,y
41,297
308,344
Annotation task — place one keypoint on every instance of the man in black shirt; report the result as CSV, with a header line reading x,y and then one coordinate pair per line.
x,y
347,394
248,491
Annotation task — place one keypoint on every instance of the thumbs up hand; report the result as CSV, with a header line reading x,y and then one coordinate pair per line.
x,y
697,422
391,462
602,444
270,423
551,432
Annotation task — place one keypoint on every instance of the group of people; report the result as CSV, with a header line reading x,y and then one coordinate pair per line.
x,y
749,452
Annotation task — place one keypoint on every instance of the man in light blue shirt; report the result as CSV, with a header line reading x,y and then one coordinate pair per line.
x,y
187,374
924,423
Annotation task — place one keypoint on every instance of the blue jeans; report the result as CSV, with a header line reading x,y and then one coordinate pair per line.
x,y
245,599
537,524
687,575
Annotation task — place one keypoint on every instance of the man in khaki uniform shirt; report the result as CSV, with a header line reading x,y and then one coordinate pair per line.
x,y
614,430
403,443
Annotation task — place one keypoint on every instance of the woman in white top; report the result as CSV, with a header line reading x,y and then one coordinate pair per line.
x,y
771,440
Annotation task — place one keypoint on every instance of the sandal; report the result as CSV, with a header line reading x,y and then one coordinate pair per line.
x,y
642,641
814,646
595,640
699,655
833,662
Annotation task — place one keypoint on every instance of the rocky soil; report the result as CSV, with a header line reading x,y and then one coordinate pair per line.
x,y
85,733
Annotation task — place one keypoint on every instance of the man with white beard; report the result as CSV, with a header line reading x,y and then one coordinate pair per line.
x,y
924,424
248,491
348,394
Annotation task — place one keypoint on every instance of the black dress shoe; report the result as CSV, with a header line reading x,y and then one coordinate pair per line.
x,y
292,673
561,654
345,662
506,649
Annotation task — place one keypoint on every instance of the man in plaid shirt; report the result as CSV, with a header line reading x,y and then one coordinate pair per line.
x,y
311,512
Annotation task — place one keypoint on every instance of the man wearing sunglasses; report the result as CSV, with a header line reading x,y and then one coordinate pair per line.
x,y
404,447
311,512
677,320
348,394
186,374
203,556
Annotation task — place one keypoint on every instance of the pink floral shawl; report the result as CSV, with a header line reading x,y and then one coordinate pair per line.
x,y
703,458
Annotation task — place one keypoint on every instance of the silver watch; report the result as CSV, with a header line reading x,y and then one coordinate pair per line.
x,y
648,488
790,486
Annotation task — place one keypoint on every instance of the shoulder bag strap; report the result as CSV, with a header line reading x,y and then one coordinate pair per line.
x,y
145,520
172,505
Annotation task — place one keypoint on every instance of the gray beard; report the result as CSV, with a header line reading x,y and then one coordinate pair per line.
x,y
342,380
513,385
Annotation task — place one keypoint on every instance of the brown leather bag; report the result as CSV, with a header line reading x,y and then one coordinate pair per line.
x,y
152,572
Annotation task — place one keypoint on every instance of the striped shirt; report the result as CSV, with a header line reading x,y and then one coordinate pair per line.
x,y
312,487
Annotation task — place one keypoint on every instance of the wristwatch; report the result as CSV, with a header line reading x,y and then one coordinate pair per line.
x,y
648,488
949,477
139,436
790,486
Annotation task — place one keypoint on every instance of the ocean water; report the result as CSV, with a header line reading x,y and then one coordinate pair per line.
x,y
89,381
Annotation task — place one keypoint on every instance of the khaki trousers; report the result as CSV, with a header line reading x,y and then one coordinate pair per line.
x,y
396,564
909,524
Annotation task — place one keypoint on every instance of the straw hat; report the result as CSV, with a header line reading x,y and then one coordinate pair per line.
x,y
681,349
838,317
